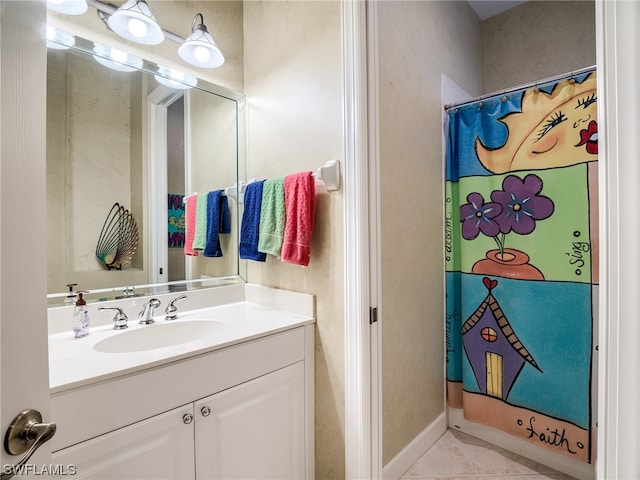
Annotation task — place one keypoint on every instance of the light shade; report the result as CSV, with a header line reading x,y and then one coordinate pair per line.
x,y
68,7
199,49
59,40
175,79
134,21
116,59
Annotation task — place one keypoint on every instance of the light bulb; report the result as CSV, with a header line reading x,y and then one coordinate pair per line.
x,y
137,27
68,7
116,59
202,54
175,79
118,55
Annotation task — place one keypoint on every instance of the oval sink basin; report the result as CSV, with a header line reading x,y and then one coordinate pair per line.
x,y
159,335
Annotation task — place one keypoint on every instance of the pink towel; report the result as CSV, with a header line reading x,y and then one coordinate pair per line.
x,y
190,225
300,204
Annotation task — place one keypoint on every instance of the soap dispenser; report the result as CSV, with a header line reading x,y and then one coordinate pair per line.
x,y
80,317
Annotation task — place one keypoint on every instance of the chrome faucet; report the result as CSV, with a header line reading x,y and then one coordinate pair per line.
x,y
172,311
146,315
119,319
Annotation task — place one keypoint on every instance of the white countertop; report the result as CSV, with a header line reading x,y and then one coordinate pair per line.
x,y
73,362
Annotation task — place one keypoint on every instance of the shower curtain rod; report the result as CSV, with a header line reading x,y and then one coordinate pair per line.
x,y
521,87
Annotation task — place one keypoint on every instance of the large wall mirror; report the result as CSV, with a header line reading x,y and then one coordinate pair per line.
x,y
141,141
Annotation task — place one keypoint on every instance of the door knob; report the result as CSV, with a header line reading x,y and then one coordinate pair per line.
x,y
26,433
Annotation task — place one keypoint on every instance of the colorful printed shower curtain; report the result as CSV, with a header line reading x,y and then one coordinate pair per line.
x,y
522,262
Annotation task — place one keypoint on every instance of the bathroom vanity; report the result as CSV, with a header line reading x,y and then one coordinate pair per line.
x,y
224,391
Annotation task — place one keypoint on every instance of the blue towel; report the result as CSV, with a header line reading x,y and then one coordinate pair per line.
x,y
218,221
250,227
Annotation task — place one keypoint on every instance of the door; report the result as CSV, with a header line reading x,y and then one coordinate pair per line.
x,y
24,370
494,374
160,447
254,430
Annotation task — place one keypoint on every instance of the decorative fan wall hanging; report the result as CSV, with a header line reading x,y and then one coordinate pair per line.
x,y
118,239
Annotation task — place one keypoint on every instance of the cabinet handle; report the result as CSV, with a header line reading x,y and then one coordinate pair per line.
x,y
187,418
205,411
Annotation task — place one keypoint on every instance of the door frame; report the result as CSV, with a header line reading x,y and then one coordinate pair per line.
x,y
617,35
361,446
158,102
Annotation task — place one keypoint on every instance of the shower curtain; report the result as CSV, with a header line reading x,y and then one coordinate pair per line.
x,y
521,248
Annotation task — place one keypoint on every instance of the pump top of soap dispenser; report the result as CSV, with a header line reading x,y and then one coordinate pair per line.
x,y
70,299
81,301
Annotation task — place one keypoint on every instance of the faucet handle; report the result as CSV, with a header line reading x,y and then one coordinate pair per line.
x,y
119,319
171,309
146,315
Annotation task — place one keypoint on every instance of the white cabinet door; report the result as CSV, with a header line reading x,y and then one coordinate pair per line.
x,y
160,447
255,430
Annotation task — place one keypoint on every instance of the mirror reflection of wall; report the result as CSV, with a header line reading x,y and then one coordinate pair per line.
x,y
94,159
208,143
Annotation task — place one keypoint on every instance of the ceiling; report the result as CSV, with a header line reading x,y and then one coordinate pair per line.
x,y
489,8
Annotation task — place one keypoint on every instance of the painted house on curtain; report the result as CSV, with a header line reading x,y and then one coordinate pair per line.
x,y
521,219
496,355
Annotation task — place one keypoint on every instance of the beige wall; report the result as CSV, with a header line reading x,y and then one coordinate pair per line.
x,y
418,42
293,83
537,40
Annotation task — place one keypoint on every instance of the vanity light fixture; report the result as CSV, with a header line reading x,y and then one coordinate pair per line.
x,y
68,7
199,49
134,21
58,39
172,78
116,59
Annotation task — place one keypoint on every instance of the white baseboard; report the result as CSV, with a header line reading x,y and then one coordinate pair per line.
x,y
562,463
399,465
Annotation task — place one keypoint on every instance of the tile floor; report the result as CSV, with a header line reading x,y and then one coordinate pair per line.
x,y
457,455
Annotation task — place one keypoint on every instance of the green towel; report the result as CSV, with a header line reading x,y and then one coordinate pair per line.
x,y
272,217
200,235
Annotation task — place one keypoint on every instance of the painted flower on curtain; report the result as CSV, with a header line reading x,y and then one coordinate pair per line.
x,y
478,216
515,208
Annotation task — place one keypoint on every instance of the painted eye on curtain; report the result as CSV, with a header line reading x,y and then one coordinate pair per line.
x,y
554,129
555,120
